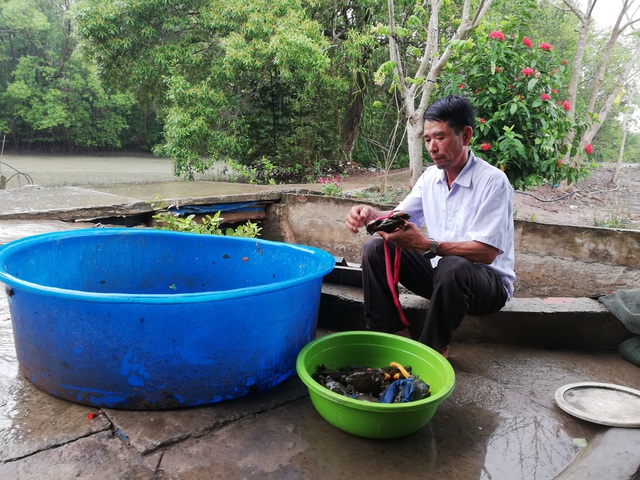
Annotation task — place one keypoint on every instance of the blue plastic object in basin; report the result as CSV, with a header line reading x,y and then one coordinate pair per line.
x,y
148,319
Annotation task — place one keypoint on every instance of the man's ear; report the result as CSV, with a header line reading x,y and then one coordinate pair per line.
x,y
467,133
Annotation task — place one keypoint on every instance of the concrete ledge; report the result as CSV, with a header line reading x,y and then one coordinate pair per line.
x,y
613,455
581,323
554,322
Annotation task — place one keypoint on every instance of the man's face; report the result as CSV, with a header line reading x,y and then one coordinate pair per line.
x,y
446,148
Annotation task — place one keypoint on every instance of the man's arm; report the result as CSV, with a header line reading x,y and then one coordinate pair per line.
x,y
471,250
413,238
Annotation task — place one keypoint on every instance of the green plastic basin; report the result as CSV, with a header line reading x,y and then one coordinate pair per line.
x,y
374,349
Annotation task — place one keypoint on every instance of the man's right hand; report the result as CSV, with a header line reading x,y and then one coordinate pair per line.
x,y
359,215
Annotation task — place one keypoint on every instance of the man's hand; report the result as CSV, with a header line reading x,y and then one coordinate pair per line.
x,y
410,237
360,215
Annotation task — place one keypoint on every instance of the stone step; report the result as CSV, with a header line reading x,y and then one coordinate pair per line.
x,y
553,322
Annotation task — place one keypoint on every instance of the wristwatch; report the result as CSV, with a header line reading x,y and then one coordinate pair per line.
x,y
432,249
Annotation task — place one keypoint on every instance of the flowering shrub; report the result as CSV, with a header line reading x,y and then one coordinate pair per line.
x,y
331,186
522,122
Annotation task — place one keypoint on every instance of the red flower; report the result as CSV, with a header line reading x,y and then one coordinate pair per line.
x,y
545,96
460,86
527,72
566,105
554,91
485,146
497,35
588,148
527,42
482,120
499,69
545,46
564,62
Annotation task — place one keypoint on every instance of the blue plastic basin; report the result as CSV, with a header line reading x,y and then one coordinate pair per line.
x,y
148,319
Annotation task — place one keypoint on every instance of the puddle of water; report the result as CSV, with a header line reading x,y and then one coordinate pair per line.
x,y
8,375
527,447
8,360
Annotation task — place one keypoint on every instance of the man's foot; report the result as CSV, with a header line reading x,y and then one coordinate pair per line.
x,y
404,333
445,352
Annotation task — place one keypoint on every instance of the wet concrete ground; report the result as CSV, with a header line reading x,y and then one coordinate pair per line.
x,y
501,422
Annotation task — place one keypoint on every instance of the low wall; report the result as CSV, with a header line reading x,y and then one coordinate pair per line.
x,y
551,260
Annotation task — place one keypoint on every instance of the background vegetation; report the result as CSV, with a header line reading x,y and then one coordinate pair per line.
x,y
292,90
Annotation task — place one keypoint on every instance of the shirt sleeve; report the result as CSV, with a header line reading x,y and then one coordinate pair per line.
x,y
494,211
412,203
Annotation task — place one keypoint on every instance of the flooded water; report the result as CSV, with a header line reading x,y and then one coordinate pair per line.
x,y
8,368
77,170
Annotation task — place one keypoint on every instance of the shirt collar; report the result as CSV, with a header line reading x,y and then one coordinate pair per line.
x,y
464,177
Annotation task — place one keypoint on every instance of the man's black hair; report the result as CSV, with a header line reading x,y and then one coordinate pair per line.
x,y
456,111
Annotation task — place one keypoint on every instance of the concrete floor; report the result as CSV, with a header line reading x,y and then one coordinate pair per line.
x,y
501,422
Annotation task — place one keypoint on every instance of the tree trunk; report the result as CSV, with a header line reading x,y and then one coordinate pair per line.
x,y
621,151
595,88
414,144
429,69
353,115
603,113
572,90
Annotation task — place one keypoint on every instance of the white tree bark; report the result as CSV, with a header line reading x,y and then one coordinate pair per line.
x,y
605,108
415,94
596,92
623,141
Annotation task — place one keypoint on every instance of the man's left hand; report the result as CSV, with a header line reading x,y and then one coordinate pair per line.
x,y
410,236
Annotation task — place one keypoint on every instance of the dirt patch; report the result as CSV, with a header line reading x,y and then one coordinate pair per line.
x,y
596,201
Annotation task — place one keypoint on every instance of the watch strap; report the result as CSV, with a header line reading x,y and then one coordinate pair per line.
x,y
431,253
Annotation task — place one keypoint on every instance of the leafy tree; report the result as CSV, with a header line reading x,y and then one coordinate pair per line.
x,y
234,81
520,94
49,93
347,27
602,95
416,57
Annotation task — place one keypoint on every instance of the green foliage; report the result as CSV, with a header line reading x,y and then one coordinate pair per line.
x,y
234,82
517,87
72,108
389,195
265,173
168,220
614,220
331,186
48,93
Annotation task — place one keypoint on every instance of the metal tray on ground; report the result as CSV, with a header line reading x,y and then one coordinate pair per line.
x,y
601,403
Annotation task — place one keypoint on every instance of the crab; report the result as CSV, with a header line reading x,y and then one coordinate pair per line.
x,y
389,223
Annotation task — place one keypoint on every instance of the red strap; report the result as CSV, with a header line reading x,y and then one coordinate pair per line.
x,y
393,277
